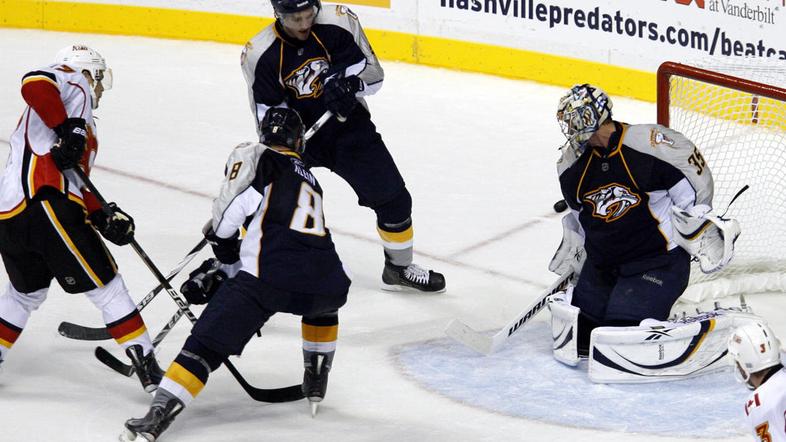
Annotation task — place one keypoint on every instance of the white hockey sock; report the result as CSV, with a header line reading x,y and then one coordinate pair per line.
x,y
120,315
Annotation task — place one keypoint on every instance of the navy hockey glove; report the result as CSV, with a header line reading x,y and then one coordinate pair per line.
x,y
117,228
227,250
339,94
68,150
203,282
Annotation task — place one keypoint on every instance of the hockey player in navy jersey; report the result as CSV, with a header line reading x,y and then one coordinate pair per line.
x,y
640,199
286,263
48,220
314,59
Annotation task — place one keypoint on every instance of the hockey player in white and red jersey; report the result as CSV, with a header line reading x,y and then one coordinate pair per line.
x,y
48,220
755,351
640,199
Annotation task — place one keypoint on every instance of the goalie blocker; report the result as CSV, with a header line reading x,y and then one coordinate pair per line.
x,y
654,351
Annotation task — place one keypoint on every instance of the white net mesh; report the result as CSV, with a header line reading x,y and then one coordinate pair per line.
x,y
742,135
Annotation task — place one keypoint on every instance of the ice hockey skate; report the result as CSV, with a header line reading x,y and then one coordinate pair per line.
x,y
155,422
315,379
412,277
146,367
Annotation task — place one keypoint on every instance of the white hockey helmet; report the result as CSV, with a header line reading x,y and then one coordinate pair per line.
x,y
753,347
85,59
581,112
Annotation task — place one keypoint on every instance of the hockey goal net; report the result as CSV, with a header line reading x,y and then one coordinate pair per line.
x,y
736,116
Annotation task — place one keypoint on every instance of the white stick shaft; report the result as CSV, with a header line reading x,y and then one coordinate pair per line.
x,y
489,344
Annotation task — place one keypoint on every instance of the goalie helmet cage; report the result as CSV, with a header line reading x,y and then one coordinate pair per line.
x,y
736,115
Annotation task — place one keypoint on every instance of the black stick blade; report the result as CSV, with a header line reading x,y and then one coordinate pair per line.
x,y
82,333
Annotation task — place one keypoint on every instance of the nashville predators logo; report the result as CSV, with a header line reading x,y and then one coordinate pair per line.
x,y
305,80
612,202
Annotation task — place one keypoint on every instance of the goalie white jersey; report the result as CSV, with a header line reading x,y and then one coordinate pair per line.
x,y
765,409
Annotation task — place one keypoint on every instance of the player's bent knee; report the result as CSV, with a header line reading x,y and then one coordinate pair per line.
x,y
395,212
113,298
29,301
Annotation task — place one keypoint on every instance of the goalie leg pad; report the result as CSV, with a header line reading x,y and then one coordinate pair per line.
x,y
564,329
660,352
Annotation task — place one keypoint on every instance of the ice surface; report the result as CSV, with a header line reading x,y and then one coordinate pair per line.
x,y
478,156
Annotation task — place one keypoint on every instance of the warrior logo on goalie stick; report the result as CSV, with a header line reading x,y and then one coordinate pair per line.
x,y
612,202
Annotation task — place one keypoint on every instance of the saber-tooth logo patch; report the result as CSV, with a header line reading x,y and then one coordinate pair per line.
x,y
305,80
612,202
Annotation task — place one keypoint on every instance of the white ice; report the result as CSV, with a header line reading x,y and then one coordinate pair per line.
x,y
478,156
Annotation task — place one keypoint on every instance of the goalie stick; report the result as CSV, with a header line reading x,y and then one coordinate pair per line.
x,y
485,344
84,333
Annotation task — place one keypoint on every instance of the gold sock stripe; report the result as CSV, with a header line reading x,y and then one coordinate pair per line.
x,y
134,334
180,375
317,333
396,237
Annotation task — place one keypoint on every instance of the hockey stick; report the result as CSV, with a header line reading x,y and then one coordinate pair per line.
x,y
318,125
76,331
257,394
489,344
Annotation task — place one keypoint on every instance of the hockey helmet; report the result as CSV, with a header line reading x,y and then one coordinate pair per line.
x,y
753,347
283,127
290,6
581,112
85,59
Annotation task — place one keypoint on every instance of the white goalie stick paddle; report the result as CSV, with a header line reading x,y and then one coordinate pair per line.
x,y
485,344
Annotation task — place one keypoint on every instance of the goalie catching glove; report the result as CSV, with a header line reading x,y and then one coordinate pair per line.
x,y
203,282
705,236
570,254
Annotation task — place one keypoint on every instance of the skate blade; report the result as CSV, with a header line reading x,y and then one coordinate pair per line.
x,y
314,408
129,436
408,289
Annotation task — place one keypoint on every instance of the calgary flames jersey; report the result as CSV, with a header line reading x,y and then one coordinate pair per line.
x,y
765,410
53,94
623,194
285,72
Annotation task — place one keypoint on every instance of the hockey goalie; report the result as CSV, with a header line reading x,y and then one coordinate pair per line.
x,y
640,199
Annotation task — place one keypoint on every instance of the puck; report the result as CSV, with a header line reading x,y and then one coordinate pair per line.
x,y
560,206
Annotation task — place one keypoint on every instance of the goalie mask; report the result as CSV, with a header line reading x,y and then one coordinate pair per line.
x,y
83,58
581,112
283,127
753,347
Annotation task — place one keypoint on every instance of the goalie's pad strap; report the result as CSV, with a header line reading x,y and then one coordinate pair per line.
x,y
564,331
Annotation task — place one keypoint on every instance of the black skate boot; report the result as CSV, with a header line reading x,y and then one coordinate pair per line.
x,y
146,368
315,379
155,422
398,278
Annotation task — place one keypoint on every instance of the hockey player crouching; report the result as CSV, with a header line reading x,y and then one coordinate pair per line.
x,y
640,199
287,263
755,352
48,219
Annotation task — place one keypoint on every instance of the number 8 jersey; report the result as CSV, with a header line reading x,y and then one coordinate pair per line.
x,y
287,244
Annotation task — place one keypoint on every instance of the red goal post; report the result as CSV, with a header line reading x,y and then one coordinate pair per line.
x,y
736,116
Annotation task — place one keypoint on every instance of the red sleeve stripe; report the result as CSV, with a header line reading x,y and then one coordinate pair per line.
x,y
44,98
